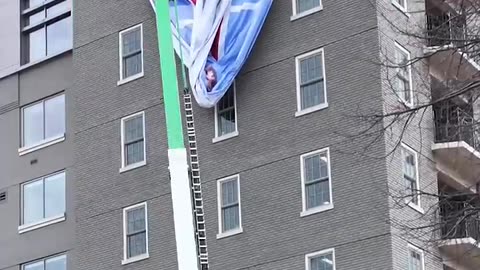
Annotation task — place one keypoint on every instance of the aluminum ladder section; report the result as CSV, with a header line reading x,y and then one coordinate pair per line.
x,y
195,183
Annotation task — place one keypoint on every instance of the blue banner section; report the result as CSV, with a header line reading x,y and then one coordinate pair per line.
x,y
216,37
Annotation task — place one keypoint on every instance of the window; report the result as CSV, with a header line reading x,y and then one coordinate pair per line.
x,y
51,263
47,28
415,258
403,88
131,54
43,121
229,213
410,174
311,85
305,7
133,141
43,201
226,116
322,260
316,181
401,4
135,233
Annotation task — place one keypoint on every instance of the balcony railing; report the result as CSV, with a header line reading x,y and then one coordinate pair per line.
x,y
445,30
453,124
457,224
468,228
460,218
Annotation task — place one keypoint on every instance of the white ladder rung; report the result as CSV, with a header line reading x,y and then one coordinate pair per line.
x,y
196,182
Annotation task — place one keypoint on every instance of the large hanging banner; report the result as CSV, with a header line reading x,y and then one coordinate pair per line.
x,y
216,37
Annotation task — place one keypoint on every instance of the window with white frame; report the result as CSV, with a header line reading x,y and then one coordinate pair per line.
x,y
304,6
131,53
415,258
226,114
322,260
47,28
135,234
401,4
311,85
133,140
403,86
43,121
229,210
316,180
410,174
58,262
43,199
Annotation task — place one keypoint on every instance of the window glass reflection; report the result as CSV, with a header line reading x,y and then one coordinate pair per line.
x,y
37,44
33,124
59,36
55,117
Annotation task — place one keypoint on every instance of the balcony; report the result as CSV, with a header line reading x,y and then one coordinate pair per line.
x,y
450,54
457,144
461,230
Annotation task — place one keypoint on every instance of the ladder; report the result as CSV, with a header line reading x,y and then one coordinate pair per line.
x,y
195,183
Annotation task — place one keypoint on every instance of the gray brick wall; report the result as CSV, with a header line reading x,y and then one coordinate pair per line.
x,y
102,192
419,135
266,154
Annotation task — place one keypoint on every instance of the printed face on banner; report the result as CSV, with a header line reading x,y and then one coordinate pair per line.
x,y
211,78
215,38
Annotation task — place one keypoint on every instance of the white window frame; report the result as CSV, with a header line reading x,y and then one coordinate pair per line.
x,y
408,201
120,54
25,149
413,248
320,106
44,260
318,209
23,228
398,46
219,207
231,134
403,9
297,15
309,256
124,167
144,256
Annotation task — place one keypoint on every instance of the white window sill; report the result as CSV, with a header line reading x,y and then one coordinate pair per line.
x,y
306,13
40,224
404,102
225,137
45,143
129,79
133,166
136,259
311,109
416,207
399,7
316,210
230,233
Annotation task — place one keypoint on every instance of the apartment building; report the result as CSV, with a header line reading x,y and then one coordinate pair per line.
x,y
84,149
36,114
